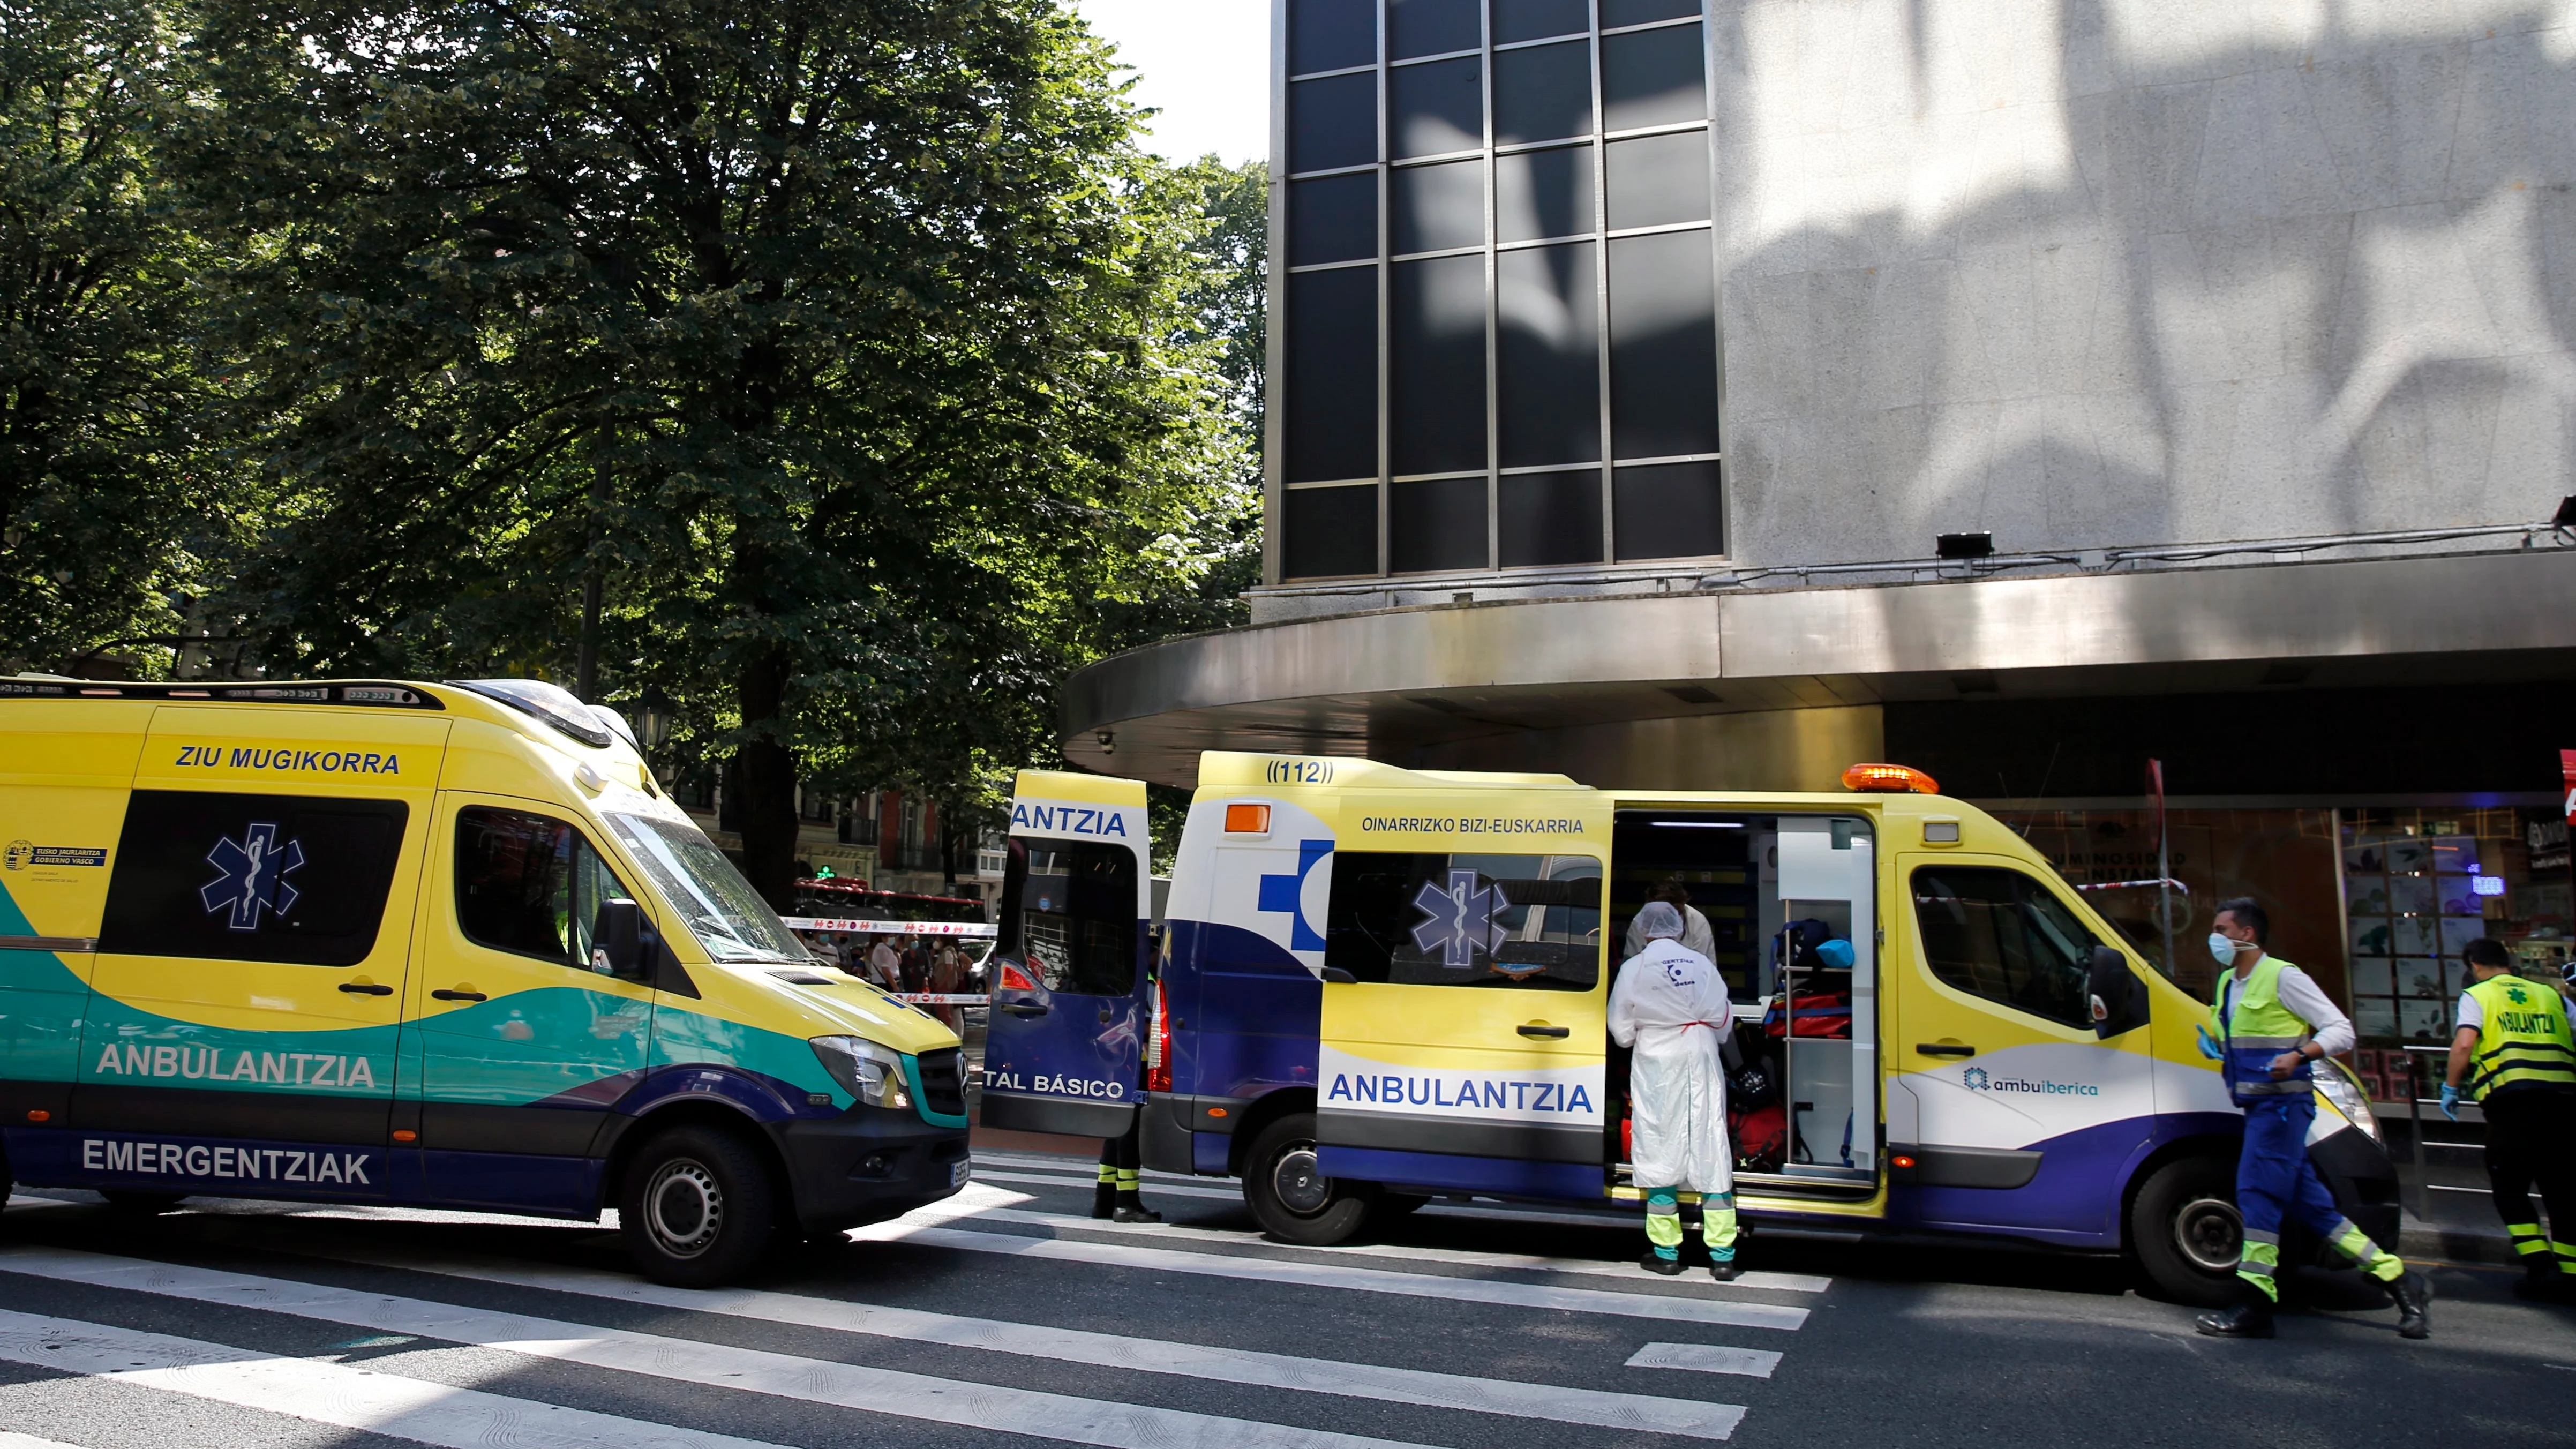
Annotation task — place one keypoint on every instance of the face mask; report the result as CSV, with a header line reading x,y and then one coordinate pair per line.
x,y
2222,947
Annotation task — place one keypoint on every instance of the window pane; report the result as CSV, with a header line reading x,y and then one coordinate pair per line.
x,y
514,882
1437,108
1549,369
1496,921
1543,93
1330,35
1438,207
1431,27
1663,346
1653,78
282,878
1333,219
1551,518
1539,19
2000,935
1671,510
712,899
1436,365
1332,376
1437,524
1638,12
1069,914
1328,532
1657,180
1542,194
1332,123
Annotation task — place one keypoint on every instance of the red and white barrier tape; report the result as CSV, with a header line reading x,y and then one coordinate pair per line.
x,y
896,928
938,998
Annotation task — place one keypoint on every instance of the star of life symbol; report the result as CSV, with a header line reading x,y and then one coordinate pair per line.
x,y
254,869
1974,1079
1460,920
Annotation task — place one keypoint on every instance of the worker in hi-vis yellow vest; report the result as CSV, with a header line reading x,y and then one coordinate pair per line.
x,y
2513,1047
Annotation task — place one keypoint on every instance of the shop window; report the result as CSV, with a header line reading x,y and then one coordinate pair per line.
x,y
1436,365
1435,525
1438,208
1436,108
1999,935
1551,519
1332,376
1539,19
1653,78
1495,921
1548,367
1332,122
1539,195
1331,35
530,884
1543,93
1332,219
1432,27
292,879
1069,913
1658,180
1329,532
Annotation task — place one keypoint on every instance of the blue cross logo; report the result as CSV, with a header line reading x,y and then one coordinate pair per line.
x,y
1459,921
1288,892
254,869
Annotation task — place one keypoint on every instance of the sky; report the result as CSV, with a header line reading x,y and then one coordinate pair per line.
x,y
1205,64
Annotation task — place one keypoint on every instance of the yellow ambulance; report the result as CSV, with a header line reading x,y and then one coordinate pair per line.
x,y
433,944
1378,985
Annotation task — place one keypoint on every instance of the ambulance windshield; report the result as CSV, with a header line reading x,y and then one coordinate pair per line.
x,y
720,908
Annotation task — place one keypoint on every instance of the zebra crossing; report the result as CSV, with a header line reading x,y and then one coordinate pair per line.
x,y
453,1335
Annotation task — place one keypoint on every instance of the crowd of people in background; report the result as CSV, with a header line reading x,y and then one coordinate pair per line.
x,y
902,964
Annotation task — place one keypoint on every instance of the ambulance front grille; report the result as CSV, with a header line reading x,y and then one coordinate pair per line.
x,y
943,1082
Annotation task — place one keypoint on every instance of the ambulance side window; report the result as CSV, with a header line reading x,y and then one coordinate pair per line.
x,y
2002,936
530,884
1069,913
1428,919
297,880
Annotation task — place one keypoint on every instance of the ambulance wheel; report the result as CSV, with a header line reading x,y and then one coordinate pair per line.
x,y
145,1204
1294,1200
698,1208
2184,1227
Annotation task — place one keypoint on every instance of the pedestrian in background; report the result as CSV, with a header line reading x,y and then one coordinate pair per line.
x,y
2268,1025
2513,1047
884,967
1671,1006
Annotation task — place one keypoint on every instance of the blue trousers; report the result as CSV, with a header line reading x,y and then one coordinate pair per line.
x,y
2275,1181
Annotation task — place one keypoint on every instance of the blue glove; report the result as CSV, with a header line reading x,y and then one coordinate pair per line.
x,y
2209,1045
2450,1101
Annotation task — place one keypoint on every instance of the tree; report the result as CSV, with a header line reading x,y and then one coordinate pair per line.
x,y
108,496
831,336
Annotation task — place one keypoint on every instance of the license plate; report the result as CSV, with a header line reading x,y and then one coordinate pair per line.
x,y
958,1172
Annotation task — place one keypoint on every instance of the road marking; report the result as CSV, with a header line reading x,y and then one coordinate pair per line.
x,y
713,1365
1083,1170
10,1439
329,1393
1160,1189
1554,1217
19,1202
1642,1412
1000,1212
1333,1275
1706,1359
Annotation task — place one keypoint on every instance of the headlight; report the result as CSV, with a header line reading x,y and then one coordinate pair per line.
x,y
865,1070
2337,1085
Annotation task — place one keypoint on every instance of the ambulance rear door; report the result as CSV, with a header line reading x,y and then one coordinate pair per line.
x,y
1069,970
1465,994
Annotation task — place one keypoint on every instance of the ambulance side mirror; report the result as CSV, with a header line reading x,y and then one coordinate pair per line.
x,y
622,943
2119,1001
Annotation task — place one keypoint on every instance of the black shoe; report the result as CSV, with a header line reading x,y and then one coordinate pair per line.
x,y
2245,1320
2412,1294
1126,1214
1726,1270
1655,1262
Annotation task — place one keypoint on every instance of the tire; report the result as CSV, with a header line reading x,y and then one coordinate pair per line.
x,y
144,1204
699,1207
1293,1201
2185,1231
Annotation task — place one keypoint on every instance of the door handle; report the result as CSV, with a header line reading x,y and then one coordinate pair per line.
x,y
459,995
1026,1008
1944,1049
365,988
1551,1032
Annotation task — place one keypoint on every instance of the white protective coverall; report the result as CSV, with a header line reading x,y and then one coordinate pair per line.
x,y
1671,1006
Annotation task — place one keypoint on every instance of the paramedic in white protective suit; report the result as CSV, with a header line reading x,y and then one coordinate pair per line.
x,y
1671,1006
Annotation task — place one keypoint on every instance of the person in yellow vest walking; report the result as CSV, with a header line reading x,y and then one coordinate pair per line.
x,y
2268,1025
2513,1046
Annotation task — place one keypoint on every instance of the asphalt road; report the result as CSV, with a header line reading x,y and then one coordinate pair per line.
x,y
1007,1317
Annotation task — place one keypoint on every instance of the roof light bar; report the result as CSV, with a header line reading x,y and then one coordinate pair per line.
x,y
1890,780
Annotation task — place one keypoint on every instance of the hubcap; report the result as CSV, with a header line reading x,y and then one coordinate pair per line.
x,y
2210,1233
683,1208
1301,1186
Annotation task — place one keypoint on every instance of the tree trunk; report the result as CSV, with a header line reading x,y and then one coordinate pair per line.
x,y
768,811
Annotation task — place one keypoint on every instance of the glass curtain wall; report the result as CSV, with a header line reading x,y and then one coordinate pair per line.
x,y
1499,327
